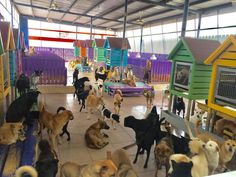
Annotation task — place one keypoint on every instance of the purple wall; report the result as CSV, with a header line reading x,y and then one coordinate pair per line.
x,y
53,66
161,67
66,54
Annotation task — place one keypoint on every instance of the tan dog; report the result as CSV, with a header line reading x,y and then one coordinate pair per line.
x,y
20,172
162,152
93,136
102,168
200,164
122,161
11,132
117,100
150,95
54,123
93,102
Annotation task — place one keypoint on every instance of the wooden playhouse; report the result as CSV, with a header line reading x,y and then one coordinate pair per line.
x,y
19,43
90,51
99,55
190,77
113,51
222,92
82,48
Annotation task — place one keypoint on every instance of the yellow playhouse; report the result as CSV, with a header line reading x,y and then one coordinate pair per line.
x,y
222,92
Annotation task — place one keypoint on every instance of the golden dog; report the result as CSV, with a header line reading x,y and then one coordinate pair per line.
x,y
11,132
54,123
102,168
93,136
20,172
93,102
117,100
150,95
122,161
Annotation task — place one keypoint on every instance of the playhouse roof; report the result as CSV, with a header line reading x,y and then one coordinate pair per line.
x,y
16,35
98,43
229,45
117,43
199,49
79,43
89,42
7,36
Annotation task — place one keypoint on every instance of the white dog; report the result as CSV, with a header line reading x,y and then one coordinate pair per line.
x,y
212,155
165,94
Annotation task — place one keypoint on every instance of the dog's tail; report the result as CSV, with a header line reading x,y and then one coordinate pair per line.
x,y
61,108
26,169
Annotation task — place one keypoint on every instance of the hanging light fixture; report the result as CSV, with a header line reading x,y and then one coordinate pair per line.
x,y
153,57
138,55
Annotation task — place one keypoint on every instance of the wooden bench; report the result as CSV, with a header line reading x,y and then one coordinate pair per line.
x,y
18,154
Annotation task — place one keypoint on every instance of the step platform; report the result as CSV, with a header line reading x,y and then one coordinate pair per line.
x,y
111,87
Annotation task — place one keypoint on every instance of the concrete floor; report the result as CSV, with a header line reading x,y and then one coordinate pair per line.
x,y
76,150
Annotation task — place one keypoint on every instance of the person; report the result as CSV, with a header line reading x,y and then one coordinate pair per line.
x,y
75,75
147,73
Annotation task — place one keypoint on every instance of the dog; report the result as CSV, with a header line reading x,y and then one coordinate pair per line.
x,y
150,95
23,84
122,161
80,84
145,139
54,123
224,124
165,94
162,152
182,76
23,170
200,163
106,113
34,79
65,127
99,75
212,154
93,136
47,162
131,81
180,166
117,100
82,96
179,105
11,132
75,75
21,106
198,115
102,168
92,103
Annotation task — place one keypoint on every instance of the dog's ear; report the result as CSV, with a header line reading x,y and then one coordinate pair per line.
x,y
162,119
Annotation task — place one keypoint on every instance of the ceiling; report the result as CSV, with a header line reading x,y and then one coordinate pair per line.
x,y
109,14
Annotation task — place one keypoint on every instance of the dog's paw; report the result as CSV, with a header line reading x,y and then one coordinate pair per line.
x,y
145,166
135,160
68,139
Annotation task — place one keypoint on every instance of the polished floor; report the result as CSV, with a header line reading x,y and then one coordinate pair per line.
x,y
76,150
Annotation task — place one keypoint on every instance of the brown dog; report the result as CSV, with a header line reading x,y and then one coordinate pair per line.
x,y
54,122
224,124
162,152
122,161
11,132
150,95
93,136
93,102
117,100
102,168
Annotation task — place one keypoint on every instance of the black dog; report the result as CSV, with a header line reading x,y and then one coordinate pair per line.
x,y
181,169
103,77
64,129
82,96
80,84
23,84
47,163
146,131
21,106
108,114
179,105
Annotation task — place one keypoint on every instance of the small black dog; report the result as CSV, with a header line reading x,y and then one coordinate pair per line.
x,y
23,84
103,77
64,129
47,163
106,113
80,84
21,106
179,105
82,96
181,169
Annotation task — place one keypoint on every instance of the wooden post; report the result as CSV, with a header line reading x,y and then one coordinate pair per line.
x,y
170,102
188,110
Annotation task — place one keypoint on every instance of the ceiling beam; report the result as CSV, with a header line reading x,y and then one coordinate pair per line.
x,y
61,22
110,10
63,11
73,3
88,10
49,9
164,4
32,8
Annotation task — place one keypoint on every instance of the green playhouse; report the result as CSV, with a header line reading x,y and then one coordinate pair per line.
x,y
190,77
99,51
